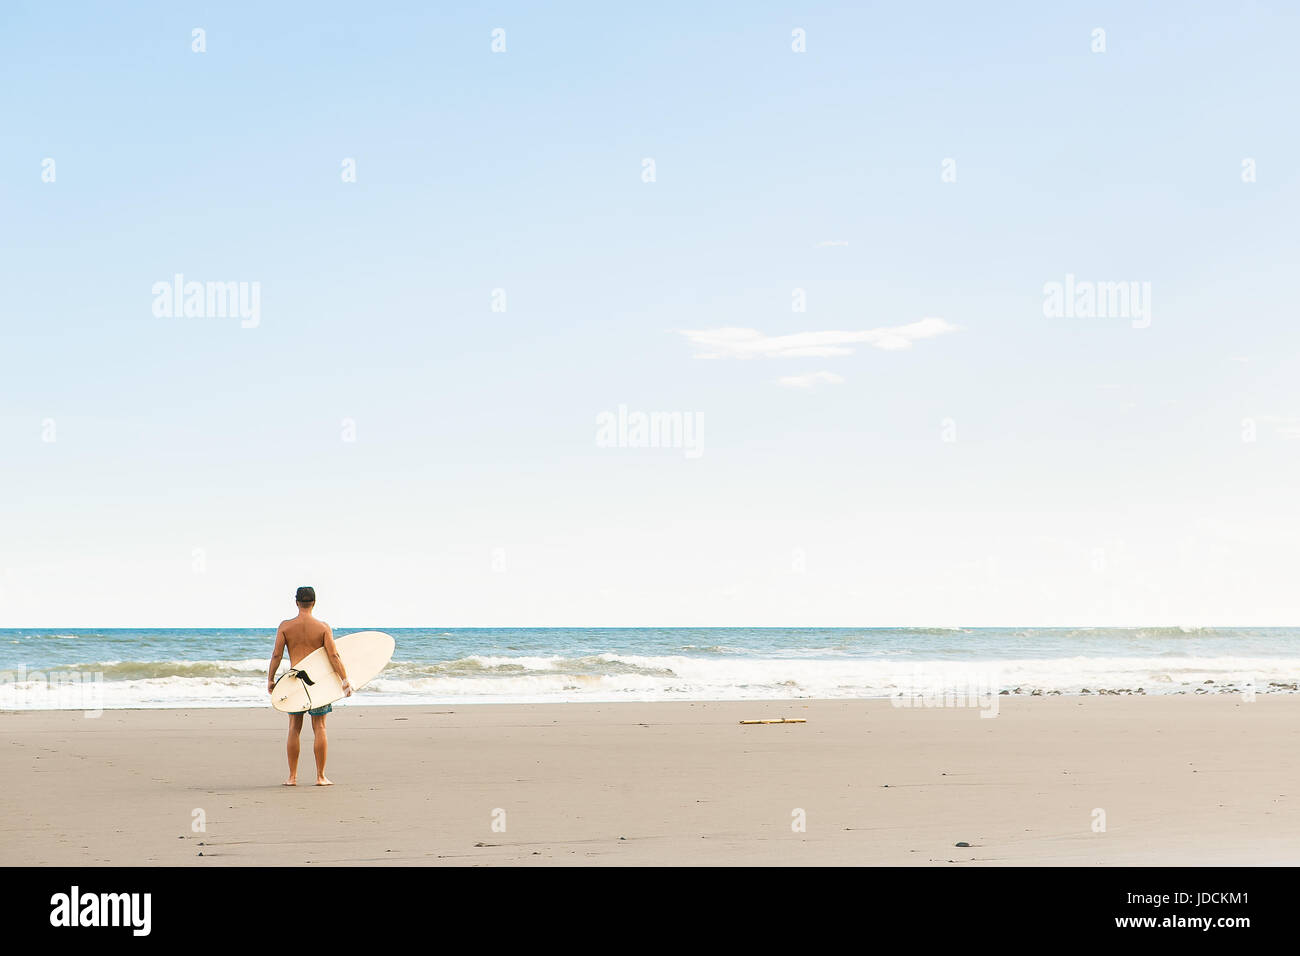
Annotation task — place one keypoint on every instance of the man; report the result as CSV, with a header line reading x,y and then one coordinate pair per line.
x,y
304,634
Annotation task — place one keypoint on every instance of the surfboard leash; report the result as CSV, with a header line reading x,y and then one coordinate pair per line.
x,y
307,682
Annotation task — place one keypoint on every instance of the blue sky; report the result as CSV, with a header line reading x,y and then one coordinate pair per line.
x,y
197,471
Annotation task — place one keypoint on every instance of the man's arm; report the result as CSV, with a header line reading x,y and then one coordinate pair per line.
x,y
332,651
277,655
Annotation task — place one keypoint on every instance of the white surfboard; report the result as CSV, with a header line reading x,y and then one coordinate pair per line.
x,y
313,683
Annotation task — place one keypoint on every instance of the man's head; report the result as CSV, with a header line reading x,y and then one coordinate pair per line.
x,y
305,598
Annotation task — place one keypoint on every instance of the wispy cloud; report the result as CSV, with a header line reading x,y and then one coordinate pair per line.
x,y
832,242
810,380
750,343
1283,425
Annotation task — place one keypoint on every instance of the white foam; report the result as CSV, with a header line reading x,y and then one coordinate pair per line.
x,y
613,677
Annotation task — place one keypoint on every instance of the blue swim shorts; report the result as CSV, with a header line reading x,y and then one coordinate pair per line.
x,y
317,712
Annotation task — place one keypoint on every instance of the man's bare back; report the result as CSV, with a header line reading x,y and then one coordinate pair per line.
x,y
302,635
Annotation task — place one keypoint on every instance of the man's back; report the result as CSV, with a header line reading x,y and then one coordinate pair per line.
x,y
302,635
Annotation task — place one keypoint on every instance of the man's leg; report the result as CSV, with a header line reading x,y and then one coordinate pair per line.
x,y
318,748
295,729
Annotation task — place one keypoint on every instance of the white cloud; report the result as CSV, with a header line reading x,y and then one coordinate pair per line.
x,y
811,379
832,242
750,343
1283,425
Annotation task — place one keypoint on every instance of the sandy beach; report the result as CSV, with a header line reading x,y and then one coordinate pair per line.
x,y
1181,780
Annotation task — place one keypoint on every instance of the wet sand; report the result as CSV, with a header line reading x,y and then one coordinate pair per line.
x,y
1181,780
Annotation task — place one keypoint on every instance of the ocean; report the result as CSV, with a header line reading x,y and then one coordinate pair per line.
x,y
226,667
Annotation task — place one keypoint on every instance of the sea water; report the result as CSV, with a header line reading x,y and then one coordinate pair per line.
x,y
226,667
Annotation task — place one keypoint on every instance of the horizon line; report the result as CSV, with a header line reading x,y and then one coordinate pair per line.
x,y
638,627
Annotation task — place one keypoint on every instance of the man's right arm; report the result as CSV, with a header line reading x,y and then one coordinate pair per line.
x,y
277,655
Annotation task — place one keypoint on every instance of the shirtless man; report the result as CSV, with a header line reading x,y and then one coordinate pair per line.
x,y
304,634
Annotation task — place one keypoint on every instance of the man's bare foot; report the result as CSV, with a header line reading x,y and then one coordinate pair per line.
x,y
324,782
291,782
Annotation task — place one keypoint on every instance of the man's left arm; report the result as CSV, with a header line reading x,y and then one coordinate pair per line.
x,y
332,651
